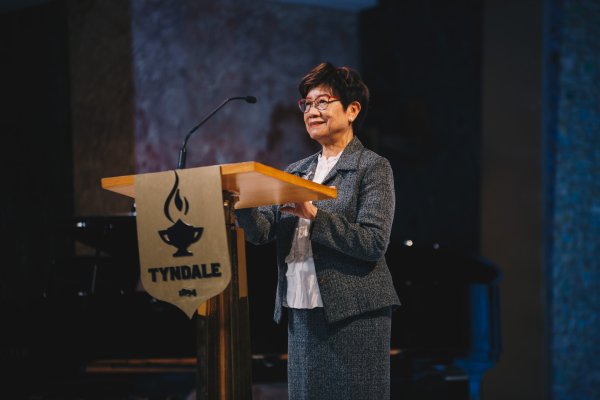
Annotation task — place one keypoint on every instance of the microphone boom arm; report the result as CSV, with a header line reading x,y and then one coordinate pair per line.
x,y
183,150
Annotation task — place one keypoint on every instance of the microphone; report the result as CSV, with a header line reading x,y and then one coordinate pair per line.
x,y
183,150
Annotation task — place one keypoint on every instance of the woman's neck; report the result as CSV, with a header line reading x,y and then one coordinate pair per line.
x,y
334,148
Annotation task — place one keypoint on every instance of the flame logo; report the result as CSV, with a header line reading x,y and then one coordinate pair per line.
x,y
180,235
174,196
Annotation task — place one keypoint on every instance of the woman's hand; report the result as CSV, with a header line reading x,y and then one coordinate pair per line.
x,y
304,210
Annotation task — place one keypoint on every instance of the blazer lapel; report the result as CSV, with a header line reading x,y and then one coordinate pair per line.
x,y
348,160
307,168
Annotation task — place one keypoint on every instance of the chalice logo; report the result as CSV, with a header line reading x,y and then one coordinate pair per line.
x,y
179,235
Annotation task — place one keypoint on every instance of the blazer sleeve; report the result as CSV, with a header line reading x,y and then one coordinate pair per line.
x,y
258,223
367,238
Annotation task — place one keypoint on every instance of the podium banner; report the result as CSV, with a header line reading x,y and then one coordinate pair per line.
x,y
184,255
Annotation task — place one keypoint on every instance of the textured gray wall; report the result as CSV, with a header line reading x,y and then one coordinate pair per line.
x,y
190,56
145,72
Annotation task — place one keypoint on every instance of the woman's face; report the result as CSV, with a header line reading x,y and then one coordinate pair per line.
x,y
332,124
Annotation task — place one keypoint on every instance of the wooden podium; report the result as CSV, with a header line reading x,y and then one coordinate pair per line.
x,y
224,359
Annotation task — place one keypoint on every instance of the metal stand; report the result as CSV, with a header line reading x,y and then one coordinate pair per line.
x,y
224,369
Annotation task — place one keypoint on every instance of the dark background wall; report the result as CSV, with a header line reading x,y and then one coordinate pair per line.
x,y
101,99
460,89
511,190
422,62
36,150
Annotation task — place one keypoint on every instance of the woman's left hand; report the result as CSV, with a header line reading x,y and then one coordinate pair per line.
x,y
304,210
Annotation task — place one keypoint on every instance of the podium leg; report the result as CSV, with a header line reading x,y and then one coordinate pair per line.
x,y
224,357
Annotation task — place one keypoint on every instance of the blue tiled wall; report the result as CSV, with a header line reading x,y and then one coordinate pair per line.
x,y
572,195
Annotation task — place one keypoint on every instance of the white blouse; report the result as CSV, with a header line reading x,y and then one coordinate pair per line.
x,y
302,287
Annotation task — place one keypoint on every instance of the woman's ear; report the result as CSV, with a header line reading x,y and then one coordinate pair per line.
x,y
353,110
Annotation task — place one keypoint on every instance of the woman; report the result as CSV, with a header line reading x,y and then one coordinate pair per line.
x,y
333,278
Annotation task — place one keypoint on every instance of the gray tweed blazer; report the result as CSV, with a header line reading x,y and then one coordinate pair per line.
x,y
349,235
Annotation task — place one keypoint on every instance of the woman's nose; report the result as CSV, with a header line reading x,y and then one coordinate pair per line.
x,y
312,111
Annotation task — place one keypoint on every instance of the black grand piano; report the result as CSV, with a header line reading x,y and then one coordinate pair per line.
x,y
97,331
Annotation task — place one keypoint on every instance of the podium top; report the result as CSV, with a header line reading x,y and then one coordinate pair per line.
x,y
255,183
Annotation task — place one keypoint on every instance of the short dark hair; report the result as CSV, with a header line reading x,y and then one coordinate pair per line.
x,y
344,82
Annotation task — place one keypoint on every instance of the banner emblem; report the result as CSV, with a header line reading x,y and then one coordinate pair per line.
x,y
180,235
184,254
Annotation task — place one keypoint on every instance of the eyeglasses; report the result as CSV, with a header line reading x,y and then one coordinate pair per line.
x,y
320,103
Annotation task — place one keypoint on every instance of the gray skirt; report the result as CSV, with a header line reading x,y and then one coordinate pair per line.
x,y
346,360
